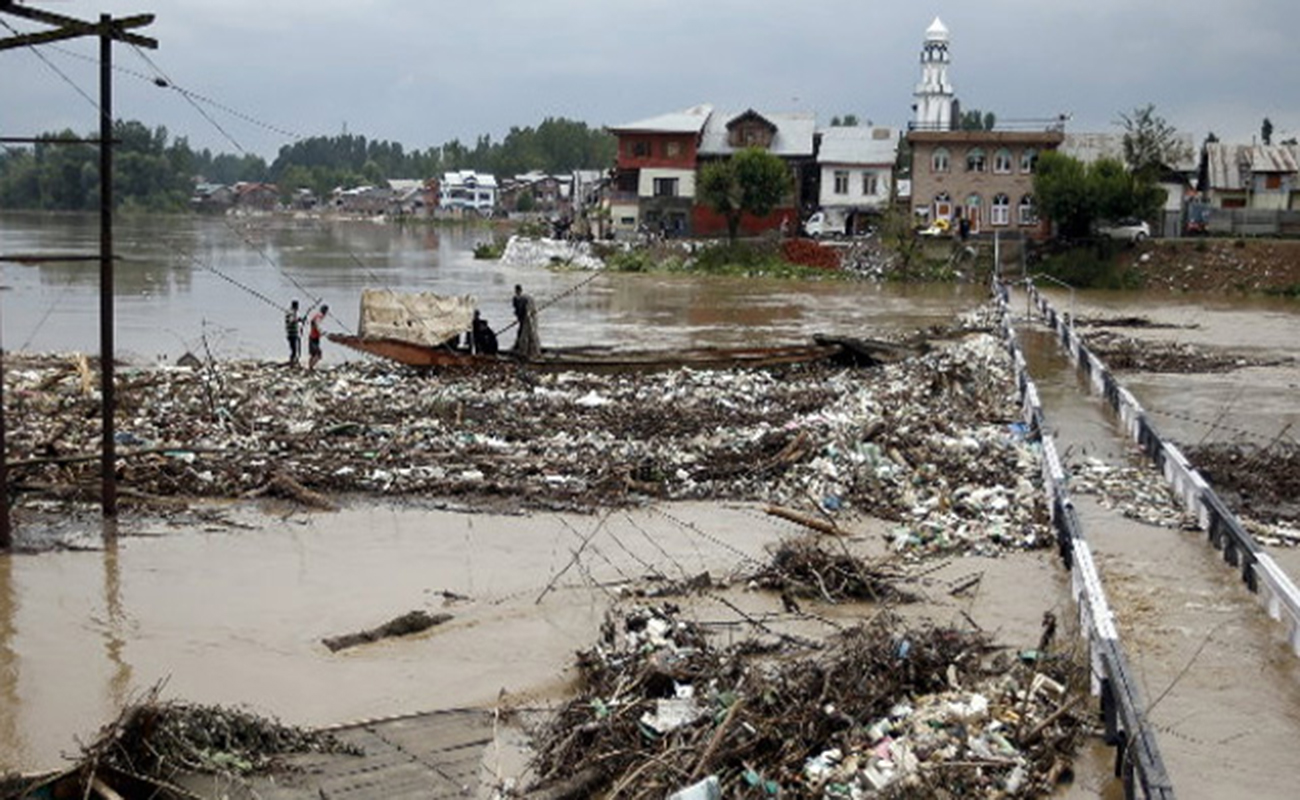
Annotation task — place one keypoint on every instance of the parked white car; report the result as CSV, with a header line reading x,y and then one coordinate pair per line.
x,y
1129,230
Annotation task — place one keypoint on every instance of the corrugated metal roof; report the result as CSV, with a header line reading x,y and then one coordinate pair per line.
x,y
1272,158
856,145
794,133
1224,166
690,120
1229,165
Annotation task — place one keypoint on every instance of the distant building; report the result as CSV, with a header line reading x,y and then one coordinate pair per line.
x,y
789,136
655,177
212,198
1253,176
468,191
983,177
653,182
935,106
1178,179
256,196
368,201
411,198
551,194
857,171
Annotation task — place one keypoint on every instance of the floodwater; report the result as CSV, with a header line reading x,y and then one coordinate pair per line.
x,y
1221,682
220,285
236,616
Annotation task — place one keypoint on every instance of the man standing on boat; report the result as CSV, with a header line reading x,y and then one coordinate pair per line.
x,y
527,343
293,332
314,336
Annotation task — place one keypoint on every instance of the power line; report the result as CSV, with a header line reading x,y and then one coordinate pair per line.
x,y
93,102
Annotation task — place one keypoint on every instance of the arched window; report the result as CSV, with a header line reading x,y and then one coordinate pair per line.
x,y
939,161
1027,213
1029,160
1001,209
1002,161
975,160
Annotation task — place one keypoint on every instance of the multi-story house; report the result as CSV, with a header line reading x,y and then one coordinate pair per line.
x,y
789,136
653,183
857,169
985,177
467,190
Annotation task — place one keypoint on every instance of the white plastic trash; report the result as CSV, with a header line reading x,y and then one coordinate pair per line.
x,y
708,789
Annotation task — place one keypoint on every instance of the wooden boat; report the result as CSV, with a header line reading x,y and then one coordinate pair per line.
x,y
857,352
591,358
422,330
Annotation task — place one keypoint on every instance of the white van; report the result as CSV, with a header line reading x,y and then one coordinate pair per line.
x,y
825,223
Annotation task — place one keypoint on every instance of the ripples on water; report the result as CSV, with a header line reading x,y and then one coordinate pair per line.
x,y
197,283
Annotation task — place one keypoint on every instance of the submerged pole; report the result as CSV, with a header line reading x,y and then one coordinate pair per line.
x,y
108,466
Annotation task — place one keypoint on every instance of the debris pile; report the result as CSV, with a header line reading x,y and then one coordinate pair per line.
x,y
1126,353
883,708
1260,483
806,568
153,742
869,259
522,251
1137,492
929,442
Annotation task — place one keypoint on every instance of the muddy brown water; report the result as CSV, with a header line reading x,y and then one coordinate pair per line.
x,y
1221,680
236,617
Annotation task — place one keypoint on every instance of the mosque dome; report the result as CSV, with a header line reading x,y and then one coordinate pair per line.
x,y
937,32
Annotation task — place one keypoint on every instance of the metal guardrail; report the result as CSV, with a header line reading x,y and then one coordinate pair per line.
x,y
1225,533
1138,763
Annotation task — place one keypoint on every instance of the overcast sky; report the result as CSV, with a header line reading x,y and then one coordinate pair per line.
x,y
421,73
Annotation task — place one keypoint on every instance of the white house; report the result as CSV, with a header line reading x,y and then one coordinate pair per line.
x,y
857,166
467,190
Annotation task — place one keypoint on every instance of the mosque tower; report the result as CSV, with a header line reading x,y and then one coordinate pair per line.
x,y
934,95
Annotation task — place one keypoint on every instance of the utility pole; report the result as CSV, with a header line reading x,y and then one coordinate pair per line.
x,y
108,30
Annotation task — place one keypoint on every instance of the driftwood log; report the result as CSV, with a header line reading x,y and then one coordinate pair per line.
x,y
411,622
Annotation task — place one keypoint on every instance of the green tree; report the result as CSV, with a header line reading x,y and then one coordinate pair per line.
x,y
976,120
1061,193
1151,144
1266,131
752,181
1074,196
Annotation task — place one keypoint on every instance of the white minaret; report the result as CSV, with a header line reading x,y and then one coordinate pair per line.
x,y
934,95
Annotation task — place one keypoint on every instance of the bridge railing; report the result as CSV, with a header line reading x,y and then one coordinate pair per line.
x,y
1137,758
1224,532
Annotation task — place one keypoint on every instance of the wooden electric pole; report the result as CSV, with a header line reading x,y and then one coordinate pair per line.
x,y
108,30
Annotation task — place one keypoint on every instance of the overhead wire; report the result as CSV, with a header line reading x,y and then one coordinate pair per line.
x,y
162,80
36,51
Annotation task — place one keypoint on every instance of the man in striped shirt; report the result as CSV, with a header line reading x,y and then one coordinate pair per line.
x,y
293,332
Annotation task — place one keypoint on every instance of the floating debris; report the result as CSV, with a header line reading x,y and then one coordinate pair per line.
x,y
1137,492
153,742
522,251
884,706
1262,483
806,568
930,442
405,625
1125,353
